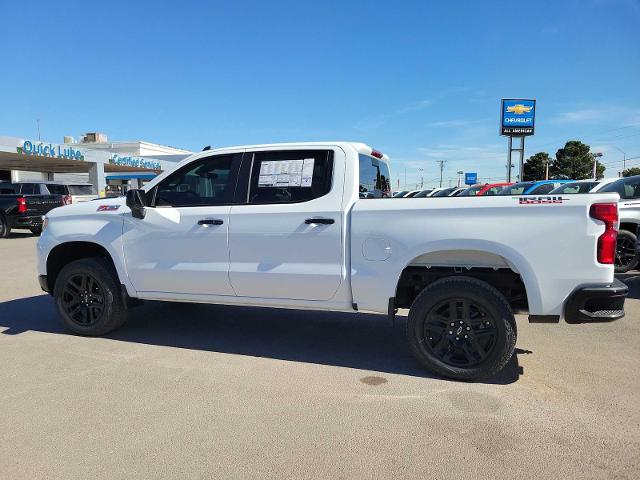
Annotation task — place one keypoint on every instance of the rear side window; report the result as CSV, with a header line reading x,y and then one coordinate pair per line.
x,y
542,189
56,189
28,188
290,176
374,178
7,189
80,190
203,182
627,188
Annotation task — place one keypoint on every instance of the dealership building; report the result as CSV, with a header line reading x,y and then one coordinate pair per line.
x,y
111,167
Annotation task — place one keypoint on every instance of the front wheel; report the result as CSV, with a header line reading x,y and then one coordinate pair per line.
x,y
87,294
462,328
626,254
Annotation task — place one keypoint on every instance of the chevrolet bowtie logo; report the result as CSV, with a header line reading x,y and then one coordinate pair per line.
x,y
519,109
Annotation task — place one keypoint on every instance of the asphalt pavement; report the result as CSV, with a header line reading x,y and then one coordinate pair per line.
x,y
210,391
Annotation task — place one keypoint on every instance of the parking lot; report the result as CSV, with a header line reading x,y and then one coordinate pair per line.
x,y
197,391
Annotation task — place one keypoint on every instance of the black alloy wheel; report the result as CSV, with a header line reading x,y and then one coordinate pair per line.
x,y
626,254
83,299
459,332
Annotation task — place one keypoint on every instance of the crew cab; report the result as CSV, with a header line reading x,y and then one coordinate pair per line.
x,y
21,206
286,226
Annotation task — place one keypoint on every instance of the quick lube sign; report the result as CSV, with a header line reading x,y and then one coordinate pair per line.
x,y
135,162
50,150
517,118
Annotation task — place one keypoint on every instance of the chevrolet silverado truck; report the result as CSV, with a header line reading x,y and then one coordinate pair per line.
x,y
23,206
308,226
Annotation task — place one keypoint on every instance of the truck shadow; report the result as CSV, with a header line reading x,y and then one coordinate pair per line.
x,y
632,280
360,341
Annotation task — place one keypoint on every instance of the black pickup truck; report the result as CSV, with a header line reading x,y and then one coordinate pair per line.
x,y
23,206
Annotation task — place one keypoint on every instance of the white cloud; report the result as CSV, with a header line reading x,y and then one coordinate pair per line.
x,y
622,115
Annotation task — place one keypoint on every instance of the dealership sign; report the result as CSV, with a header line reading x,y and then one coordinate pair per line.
x,y
517,118
470,178
50,150
136,162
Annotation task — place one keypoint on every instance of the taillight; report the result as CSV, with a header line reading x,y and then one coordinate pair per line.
x,y
607,213
377,154
22,205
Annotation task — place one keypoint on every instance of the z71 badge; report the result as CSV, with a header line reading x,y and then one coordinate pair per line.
x,y
107,208
539,200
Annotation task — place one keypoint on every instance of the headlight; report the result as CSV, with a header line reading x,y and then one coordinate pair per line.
x,y
45,222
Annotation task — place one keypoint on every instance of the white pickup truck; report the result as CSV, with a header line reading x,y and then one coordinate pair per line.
x,y
308,226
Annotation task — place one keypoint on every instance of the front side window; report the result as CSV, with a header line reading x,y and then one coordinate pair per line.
x,y
203,182
471,191
374,178
627,188
516,188
493,190
542,189
290,176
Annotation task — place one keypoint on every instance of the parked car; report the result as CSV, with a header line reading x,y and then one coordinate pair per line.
x,y
541,187
481,189
443,192
413,193
582,186
224,228
457,191
71,192
22,209
400,194
628,189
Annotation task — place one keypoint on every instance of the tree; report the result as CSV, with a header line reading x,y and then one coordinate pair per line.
x,y
535,166
575,161
630,172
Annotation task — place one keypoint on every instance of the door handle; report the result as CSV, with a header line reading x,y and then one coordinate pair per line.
x,y
208,221
323,221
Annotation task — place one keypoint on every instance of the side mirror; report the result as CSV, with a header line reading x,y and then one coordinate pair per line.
x,y
136,201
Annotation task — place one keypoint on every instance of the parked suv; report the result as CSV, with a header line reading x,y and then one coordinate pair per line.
x,y
72,192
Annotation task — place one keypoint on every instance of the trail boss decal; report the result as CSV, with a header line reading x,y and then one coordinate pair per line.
x,y
107,208
539,200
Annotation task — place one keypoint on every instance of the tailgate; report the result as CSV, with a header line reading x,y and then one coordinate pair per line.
x,y
41,204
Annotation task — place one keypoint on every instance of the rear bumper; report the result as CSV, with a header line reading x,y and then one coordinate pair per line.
x,y
600,303
27,221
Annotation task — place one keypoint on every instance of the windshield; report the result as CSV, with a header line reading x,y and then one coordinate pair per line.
x,y
515,189
575,187
423,193
471,191
444,193
400,194
80,189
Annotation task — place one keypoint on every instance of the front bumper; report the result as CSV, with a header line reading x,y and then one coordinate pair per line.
x,y
601,303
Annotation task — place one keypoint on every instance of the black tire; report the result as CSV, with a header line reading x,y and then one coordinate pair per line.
x,y
626,254
483,336
93,306
5,229
37,231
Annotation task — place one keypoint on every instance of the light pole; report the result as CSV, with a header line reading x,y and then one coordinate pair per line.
x,y
595,164
421,178
460,172
441,162
624,158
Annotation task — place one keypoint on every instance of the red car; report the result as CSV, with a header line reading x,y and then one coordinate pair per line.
x,y
484,189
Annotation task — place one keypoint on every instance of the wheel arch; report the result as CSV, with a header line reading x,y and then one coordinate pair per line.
x,y
67,252
484,260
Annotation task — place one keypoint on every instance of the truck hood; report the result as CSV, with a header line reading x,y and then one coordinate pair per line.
x,y
100,206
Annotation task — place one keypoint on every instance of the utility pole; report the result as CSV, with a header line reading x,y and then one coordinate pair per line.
x,y
38,125
546,170
624,158
595,164
441,162
421,177
460,172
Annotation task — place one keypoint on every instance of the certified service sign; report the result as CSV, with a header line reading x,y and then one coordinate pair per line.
x,y
518,117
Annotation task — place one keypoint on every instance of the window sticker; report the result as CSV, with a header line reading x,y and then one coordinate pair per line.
x,y
286,173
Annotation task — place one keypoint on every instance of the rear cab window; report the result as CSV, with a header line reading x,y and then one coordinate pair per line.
x,y
374,179
57,189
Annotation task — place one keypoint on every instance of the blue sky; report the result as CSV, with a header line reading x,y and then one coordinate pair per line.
x,y
419,80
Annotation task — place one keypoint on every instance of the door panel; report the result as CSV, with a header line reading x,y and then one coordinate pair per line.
x,y
275,249
169,251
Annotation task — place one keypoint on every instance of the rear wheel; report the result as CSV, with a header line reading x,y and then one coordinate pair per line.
x,y
87,294
36,230
5,229
462,328
626,254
